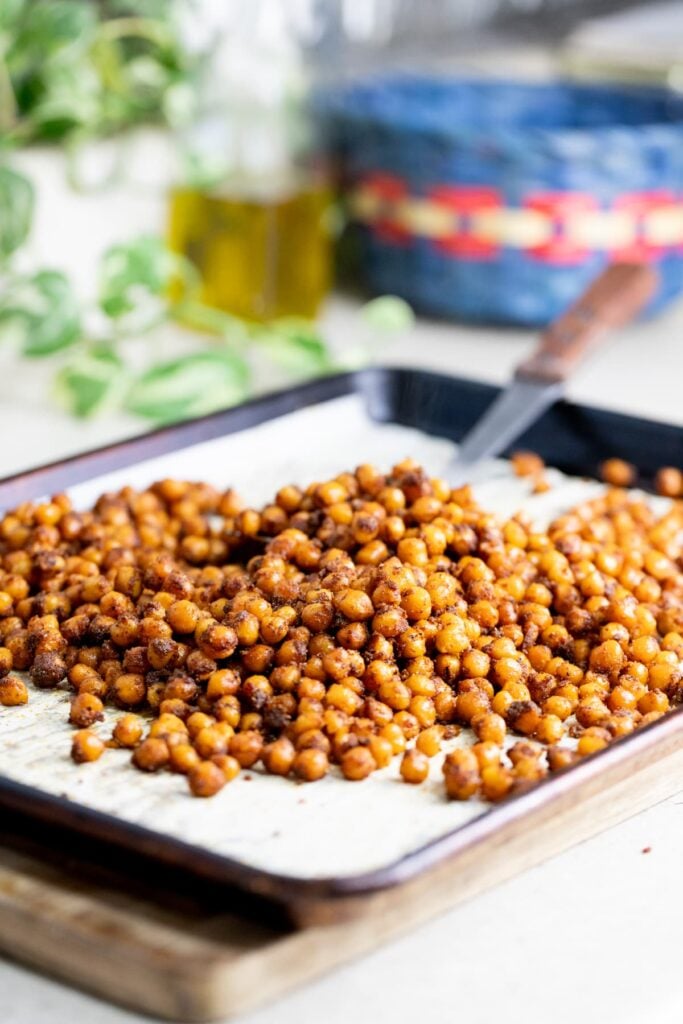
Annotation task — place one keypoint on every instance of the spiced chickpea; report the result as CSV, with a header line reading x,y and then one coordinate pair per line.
x,y
496,782
526,463
86,709
246,747
592,740
382,750
13,691
183,758
357,763
48,670
310,764
429,740
669,481
86,746
618,473
205,779
151,755
6,663
229,766
347,620
278,757
128,731
461,774
129,689
414,766
489,727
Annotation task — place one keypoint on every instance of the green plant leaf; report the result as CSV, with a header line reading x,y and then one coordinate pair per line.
x,y
92,381
44,26
10,11
198,317
75,65
296,346
16,210
43,312
139,269
388,314
72,100
189,386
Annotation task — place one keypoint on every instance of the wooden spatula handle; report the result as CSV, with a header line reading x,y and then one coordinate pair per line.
x,y
611,301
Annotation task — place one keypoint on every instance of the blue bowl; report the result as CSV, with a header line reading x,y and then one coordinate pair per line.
x,y
498,201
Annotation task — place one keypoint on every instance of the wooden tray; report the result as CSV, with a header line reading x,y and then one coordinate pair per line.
x,y
632,773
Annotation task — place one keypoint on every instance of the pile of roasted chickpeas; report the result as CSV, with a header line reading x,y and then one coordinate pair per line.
x,y
368,617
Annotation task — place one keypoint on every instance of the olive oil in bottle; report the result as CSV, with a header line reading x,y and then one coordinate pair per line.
x,y
260,255
251,207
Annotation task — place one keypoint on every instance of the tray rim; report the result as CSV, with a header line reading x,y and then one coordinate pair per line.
x,y
80,819
271,405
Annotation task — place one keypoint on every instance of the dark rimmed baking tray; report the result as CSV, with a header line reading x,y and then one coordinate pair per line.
x,y
574,438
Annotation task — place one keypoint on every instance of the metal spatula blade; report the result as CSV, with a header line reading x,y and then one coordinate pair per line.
x,y
508,416
611,301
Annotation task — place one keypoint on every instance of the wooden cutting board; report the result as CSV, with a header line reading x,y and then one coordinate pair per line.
x,y
149,944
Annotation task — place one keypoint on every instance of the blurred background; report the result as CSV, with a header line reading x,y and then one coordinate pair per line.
x,y
201,200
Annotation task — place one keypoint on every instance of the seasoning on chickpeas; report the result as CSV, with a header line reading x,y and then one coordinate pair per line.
x,y
128,731
246,747
461,774
86,709
669,482
429,740
151,755
278,756
344,624
13,691
183,758
618,473
230,766
414,766
527,463
310,764
86,746
357,763
205,779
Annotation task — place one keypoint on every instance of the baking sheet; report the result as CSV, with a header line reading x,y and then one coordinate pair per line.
x,y
332,827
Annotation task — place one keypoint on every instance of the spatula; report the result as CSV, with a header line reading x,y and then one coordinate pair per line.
x,y
610,302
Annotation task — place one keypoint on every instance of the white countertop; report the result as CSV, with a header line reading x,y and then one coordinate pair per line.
x,y
591,935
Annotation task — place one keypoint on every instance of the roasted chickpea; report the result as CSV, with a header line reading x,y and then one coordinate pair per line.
x,y
151,755
128,731
230,766
48,670
461,774
382,749
278,757
13,691
310,764
414,766
347,621
86,746
669,481
246,748
86,709
205,779
357,763
618,473
183,758
527,463
429,740
129,689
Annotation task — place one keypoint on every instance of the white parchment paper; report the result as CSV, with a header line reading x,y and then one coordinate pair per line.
x,y
331,827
